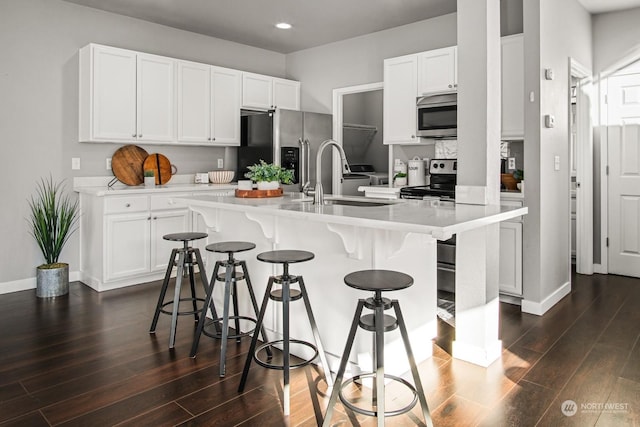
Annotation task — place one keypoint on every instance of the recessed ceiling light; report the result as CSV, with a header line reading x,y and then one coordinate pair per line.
x,y
283,25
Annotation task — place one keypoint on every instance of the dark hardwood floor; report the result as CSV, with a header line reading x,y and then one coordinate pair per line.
x,y
88,360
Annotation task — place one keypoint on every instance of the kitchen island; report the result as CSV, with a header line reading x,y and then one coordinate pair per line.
x,y
347,235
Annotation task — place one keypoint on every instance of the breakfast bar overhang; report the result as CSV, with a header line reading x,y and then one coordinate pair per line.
x,y
351,234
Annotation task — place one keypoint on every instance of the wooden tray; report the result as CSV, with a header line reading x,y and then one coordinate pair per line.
x,y
161,167
259,193
126,164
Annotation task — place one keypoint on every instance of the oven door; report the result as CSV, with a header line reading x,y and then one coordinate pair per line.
x,y
447,265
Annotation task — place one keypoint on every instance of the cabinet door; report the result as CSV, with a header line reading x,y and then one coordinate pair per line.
x,y
166,222
226,89
257,91
512,57
194,116
156,98
114,94
127,245
286,94
510,277
437,71
399,105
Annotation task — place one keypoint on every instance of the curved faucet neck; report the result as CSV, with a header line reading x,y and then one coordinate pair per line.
x,y
318,197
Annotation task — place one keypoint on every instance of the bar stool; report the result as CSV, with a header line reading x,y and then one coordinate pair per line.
x,y
286,295
230,279
186,256
378,281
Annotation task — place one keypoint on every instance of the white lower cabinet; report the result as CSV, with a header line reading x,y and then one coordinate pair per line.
x,y
510,275
121,238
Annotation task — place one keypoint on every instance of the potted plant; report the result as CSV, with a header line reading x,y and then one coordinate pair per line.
x,y
52,221
269,176
400,179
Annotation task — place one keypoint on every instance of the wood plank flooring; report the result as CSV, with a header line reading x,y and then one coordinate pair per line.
x,y
87,359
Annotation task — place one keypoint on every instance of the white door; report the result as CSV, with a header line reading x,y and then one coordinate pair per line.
x,y
226,90
114,94
623,134
193,102
127,243
166,222
257,91
156,98
399,106
437,71
286,94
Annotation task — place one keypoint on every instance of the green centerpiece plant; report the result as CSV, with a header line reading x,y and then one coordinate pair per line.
x,y
270,173
53,219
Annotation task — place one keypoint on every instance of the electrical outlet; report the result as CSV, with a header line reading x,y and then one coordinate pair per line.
x,y
512,163
556,163
108,163
75,163
220,163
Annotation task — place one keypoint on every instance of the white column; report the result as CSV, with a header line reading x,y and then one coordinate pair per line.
x,y
479,93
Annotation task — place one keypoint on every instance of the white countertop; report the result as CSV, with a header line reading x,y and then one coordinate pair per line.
x,y
121,189
440,219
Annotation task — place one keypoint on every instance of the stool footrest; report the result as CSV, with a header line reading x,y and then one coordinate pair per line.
x,y
182,313
291,365
219,320
294,295
368,322
372,413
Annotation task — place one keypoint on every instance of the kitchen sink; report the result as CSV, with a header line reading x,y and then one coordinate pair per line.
x,y
353,201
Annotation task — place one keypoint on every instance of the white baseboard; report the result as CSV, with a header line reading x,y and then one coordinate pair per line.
x,y
540,308
29,283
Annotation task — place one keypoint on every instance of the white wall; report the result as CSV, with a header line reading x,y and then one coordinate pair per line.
x,y
39,47
615,35
554,31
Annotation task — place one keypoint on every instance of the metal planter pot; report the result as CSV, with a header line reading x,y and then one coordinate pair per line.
x,y
52,280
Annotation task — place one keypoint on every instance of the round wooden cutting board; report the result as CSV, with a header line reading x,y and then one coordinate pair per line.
x,y
160,166
126,164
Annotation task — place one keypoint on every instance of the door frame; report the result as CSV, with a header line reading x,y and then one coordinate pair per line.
x,y
338,111
584,162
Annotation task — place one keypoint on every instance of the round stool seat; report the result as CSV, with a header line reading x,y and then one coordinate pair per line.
x,y
230,247
185,237
378,280
285,256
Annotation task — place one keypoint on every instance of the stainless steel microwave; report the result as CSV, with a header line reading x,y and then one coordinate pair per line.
x,y
438,115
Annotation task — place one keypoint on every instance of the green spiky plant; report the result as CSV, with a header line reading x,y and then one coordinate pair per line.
x,y
53,219
269,172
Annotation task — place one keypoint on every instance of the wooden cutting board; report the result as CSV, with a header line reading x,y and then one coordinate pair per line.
x,y
161,167
126,164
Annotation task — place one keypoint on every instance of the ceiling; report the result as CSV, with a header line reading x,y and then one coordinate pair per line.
x,y
315,23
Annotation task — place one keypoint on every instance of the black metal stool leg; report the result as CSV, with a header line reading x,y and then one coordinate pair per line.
x,y
225,319
380,403
192,284
254,339
176,300
254,303
234,295
203,279
343,365
316,334
208,303
412,364
286,297
163,291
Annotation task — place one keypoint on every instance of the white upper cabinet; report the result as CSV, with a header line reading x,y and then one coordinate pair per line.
x,y
437,71
208,104
512,57
399,104
126,96
156,98
268,93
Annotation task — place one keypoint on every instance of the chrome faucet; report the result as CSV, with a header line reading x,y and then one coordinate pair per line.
x,y
318,193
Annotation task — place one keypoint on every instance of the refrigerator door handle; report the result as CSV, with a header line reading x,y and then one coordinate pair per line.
x,y
303,165
307,161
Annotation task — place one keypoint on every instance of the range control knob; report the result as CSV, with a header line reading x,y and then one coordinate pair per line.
x,y
435,166
441,165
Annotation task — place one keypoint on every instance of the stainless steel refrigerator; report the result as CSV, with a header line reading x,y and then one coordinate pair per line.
x,y
287,138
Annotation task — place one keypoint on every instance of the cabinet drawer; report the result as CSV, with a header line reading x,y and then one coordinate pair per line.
x,y
166,201
126,204
513,203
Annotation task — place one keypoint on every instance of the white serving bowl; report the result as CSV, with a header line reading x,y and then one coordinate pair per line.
x,y
221,177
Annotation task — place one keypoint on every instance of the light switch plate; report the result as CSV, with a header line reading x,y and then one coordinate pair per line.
x,y
556,163
108,163
512,163
549,120
75,163
220,163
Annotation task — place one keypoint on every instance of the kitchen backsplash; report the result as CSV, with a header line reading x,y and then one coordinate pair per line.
x,y
446,149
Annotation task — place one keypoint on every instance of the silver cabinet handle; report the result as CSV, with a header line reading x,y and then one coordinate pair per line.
x,y
213,139
128,205
140,136
134,135
413,136
450,86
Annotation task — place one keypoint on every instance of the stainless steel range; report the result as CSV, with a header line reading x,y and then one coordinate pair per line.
x,y
442,187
